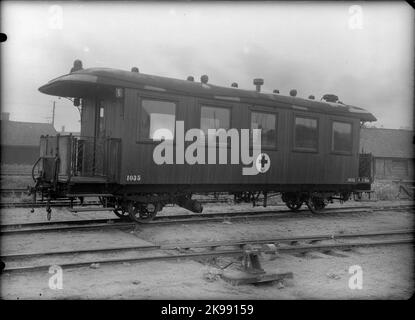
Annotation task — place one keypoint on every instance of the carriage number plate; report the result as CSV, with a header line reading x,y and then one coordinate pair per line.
x,y
133,177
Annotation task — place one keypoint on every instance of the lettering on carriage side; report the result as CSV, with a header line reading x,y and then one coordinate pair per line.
x,y
56,280
133,177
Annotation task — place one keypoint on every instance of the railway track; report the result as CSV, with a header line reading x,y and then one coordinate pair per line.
x,y
35,261
16,174
94,224
13,190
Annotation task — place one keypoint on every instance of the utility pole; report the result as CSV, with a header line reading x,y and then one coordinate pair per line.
x,y
53,114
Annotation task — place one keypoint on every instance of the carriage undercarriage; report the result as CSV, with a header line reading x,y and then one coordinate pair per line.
x,y
142,203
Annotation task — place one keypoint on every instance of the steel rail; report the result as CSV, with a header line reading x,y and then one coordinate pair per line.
x,y
94,224
16,174
281,249
11,190
215,244
310,238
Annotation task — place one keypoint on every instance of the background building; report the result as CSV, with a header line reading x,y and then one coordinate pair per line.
x,y
20,140
392,151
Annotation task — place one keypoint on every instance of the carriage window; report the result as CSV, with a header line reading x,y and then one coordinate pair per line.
x,y
306,133
101,122
341,139
266,122
214,118
155,115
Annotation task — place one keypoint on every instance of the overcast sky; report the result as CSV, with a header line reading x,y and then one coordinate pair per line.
x,y
364,55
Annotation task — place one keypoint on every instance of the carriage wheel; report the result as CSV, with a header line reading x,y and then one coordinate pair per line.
x,y
316,205
119,210
121,213
294,205
141,213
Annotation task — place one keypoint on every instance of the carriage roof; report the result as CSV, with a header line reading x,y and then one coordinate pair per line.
x,y
85,82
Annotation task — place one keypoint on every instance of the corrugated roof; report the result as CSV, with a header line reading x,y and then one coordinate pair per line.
x,y
18,133
85,82
387,143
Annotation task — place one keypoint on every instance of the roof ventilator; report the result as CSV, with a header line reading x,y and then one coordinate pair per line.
x,y
258,83
330,98
204,79
77,65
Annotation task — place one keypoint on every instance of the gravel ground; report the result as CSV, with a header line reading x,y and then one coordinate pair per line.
x,y
387,271
387,274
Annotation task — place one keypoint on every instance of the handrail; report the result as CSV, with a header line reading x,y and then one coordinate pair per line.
x,y
84,156
33,168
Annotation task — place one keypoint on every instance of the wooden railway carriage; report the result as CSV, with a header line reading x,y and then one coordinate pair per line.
x,y
313,146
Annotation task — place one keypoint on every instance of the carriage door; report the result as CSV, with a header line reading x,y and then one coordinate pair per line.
x,y
365,166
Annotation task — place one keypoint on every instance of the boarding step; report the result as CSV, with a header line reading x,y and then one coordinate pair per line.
x,y
89,209
76,195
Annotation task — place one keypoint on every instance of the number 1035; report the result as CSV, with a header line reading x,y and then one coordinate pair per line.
x,y
133,177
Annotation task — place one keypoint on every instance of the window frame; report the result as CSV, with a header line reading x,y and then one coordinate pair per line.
x,y
303,149
156,97
400,160
338,152
214,104
261,109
